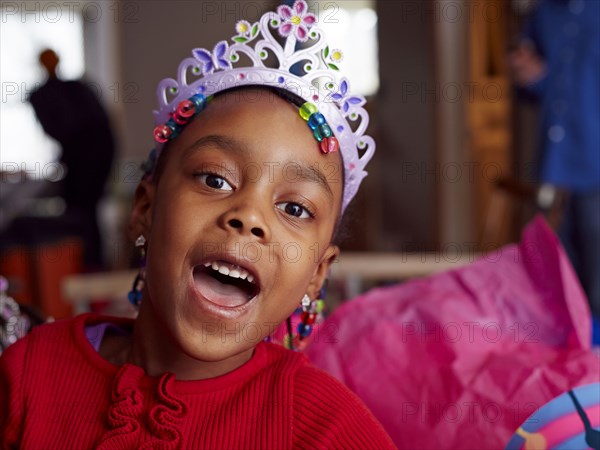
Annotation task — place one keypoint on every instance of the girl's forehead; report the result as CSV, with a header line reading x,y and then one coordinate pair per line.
x,y
263,127
257,116
254,100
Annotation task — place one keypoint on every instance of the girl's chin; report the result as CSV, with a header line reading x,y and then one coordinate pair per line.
x,y
216,345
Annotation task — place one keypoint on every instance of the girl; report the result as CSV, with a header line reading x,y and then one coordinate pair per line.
x,y
235,219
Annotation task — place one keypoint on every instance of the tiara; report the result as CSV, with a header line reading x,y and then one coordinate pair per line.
x,y
309,70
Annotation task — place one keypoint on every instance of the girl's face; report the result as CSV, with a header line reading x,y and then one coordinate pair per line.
x,y
244,190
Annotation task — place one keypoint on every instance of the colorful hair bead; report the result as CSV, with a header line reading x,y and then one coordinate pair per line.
x,y
317,134
307,109
330,145
320,128
186,109
315,120
162,133
174,128
179,120
325,130
200,101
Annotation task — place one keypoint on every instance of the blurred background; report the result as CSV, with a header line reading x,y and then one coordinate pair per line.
x,y
455,173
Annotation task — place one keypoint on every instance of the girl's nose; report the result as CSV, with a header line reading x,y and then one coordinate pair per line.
x,y
247,219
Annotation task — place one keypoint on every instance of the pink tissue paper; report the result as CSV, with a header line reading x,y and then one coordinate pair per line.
x,y
460,359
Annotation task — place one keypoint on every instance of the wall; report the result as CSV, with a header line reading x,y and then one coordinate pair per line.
x,y
406,124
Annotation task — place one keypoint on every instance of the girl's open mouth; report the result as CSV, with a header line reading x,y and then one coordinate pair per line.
x,y
225,284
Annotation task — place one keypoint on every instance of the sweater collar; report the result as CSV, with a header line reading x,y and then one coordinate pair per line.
x,y
264,355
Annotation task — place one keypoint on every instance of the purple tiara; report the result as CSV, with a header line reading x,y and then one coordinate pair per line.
x,y
209,72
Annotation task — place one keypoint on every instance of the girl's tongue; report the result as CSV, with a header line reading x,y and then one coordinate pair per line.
x,y
222,294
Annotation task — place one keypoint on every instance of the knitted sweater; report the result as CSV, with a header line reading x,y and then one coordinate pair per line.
x,y
56,391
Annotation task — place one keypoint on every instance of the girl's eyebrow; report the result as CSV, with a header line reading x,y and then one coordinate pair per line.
x,y
216,140
313,174
304,171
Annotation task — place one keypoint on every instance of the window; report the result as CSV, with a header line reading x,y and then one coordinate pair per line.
x,y
24,33
351,26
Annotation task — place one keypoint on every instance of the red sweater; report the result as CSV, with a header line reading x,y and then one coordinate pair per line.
x,y
56,391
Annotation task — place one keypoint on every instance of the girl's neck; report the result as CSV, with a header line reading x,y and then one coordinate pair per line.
x,y
151,350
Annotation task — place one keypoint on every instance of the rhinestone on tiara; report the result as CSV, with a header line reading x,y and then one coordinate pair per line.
x,y
304,65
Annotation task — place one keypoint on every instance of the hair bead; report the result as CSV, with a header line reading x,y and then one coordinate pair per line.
x,y
330,145
325,130
186,109
317,134
307,109
179,120
162,134
174,128
315,120
199,101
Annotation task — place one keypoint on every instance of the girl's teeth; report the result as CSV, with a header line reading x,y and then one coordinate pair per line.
x,y
232,271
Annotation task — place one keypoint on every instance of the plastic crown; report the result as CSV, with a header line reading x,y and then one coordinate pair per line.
x,y
209,72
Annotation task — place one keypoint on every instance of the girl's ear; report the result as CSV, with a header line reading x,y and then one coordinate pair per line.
x,y
330,256
140,218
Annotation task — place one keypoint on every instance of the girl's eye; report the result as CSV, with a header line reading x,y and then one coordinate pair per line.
x,y
215,181
294,209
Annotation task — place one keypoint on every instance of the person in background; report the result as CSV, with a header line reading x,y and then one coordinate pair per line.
x,y
558,62
70,113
